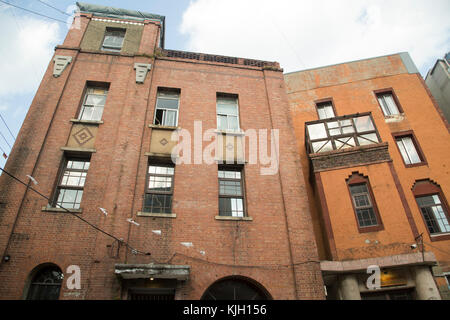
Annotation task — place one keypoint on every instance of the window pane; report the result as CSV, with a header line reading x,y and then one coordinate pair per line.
x,y
363,124
322,146
97,113
343,143
388,105
227,187
95,100
231,207
413,156
167,103
159,117
233,123
325,111
227,109
158,203
86,113
222,123
171,118
162,184
317,131
366,217
366,139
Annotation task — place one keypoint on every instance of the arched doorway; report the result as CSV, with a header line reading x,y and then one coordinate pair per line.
x,y
236,288
45,283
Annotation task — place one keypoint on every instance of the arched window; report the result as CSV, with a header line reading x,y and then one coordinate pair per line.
x,y
46,284
433,206
235,288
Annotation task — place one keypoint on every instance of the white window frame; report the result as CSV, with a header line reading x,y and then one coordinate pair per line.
x,y
167,95
91,91
381,97
224,97
321,106
405,151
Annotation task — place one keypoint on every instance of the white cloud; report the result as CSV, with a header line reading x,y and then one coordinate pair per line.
x,y
27,44
307,34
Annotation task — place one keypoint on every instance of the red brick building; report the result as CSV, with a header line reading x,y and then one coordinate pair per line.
x,y
97,139
375,152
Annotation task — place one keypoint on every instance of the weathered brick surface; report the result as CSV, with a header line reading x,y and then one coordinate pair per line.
x,y
285,263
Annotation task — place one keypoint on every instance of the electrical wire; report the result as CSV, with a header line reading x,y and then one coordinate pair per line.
x,y
7,127
50,6
121,241
1,134
34,12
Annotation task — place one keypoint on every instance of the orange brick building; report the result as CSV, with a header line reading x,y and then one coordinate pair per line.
x,y
375,155
97,139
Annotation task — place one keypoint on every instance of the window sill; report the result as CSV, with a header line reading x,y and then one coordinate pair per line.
x,y
440,236
78,149
157,126
86,121
230,218
419,164
53,209
157,215
229,132
394,118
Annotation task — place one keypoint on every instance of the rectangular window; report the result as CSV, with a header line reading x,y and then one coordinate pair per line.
x,y
159,191
388,103
71,183
167,103
93,104
408,149
113,40
325,110
363,205
433,213
231,193
227,113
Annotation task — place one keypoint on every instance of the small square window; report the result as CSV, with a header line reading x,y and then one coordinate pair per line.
x,y
325,110
113,40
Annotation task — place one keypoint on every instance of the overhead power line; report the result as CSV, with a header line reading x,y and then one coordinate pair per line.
x,y
121,241
34,12
1,134
50,6
7,127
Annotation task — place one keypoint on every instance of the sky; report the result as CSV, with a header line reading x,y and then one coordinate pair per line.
x,y
299,34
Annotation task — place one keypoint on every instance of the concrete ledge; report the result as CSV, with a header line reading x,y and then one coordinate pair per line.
x,y
230,133
78,149
359,265
160,155
157,271
86,121
52,209
157,215
233,218
156,126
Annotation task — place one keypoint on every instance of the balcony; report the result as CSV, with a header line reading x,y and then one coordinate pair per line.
x,y
344,141
339,133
